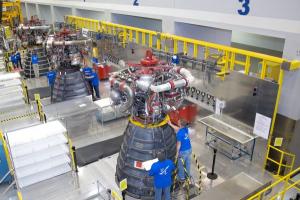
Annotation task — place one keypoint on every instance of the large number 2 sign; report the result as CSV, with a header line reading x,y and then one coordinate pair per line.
x,y
136,3
246,7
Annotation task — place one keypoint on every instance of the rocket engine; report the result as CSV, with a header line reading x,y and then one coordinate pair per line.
x,y
32,35
67,49
149,90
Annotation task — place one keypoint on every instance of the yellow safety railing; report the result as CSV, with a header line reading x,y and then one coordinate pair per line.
x,y
81,22
40,107
286,160
25,92
279,188
72,152
232,58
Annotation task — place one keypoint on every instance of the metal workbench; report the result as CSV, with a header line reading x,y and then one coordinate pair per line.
x,y
69,108
224,132
240,187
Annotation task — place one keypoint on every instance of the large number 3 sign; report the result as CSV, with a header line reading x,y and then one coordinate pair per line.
x,y
246,7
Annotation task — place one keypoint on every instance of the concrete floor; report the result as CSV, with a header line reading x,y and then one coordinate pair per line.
x,y
84,184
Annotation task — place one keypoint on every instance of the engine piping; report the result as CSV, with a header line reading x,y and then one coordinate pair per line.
x,y
44,27
188,78
127,90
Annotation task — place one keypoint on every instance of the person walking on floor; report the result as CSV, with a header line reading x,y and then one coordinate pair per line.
x,y
162,173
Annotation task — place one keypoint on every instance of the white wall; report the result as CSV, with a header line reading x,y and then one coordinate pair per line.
x,y
98,15
141,22
289,103
45,13
285,9
288,9
205,33
261,41
24,10
31,10
60,12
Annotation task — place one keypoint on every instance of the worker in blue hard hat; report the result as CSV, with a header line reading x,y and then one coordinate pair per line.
x,y
95,84
162,173
175,60
184,149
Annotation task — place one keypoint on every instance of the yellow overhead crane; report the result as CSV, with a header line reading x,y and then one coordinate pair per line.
x,y
11,13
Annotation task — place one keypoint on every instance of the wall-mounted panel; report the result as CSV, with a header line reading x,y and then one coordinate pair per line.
x,y
60,12
45,13
98,15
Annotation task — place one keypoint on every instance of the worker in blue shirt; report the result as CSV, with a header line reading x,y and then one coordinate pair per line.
x,y
51,75
18,59
175,60
87,72
34,59
13,60
162,173
184,149
95,84
35,64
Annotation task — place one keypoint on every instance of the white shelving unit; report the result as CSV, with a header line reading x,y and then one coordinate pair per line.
x,y
11,92
39,152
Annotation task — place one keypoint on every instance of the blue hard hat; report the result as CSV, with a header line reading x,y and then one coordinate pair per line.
x,y
175,59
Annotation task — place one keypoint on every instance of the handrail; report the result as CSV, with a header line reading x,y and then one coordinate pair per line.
x,y
270,66
284,179
280,163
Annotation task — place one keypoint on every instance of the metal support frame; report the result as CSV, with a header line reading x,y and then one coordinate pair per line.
x,y
238,147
